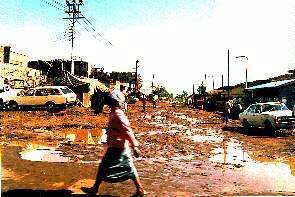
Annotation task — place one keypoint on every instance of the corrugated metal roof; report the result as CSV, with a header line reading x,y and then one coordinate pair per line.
x,y
271,84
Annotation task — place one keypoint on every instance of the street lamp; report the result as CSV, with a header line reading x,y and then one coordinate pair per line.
x,y
246,80
212,77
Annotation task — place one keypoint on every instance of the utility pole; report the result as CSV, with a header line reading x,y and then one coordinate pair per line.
x,y
153,82
246,80
73,10
228,73
136,78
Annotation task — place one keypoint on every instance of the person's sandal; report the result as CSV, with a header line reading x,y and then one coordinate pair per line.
x,y
140,194
89,190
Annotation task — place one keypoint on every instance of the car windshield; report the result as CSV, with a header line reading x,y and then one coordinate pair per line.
x,y
66,90
274,107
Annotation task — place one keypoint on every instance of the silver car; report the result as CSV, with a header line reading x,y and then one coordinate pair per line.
x,y
270,115
50,97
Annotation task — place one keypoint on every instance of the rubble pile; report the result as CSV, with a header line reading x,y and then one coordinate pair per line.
x,y
21,76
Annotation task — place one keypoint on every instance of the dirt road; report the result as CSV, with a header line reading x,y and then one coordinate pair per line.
x,y
186,152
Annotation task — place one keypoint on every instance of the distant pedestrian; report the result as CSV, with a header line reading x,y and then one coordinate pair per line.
x,y
117,164
154,99
125,105
143,102
226,113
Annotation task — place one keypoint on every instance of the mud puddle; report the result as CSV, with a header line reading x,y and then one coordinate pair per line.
x,y
43,153
68,150
274,175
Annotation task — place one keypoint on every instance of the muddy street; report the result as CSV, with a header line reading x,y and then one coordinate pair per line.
x,y
185,152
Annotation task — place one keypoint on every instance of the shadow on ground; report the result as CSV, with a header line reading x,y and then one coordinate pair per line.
x,y
46,193
260,132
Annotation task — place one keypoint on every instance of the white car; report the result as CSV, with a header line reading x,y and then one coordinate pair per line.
x,y
6,94
270,115
50,97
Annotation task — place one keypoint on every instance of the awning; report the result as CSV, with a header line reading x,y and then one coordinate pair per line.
x,y
274,84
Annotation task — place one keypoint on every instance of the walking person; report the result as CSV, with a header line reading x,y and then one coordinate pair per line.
x,y
155,98
143,102
117,164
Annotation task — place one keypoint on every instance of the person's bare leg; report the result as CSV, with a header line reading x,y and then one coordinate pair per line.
x,y
139,188
96,184
94,188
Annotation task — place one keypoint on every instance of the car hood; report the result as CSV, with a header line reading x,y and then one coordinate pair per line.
x,y
279,113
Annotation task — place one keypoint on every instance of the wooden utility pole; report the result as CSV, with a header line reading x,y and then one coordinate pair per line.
x,y
228,94
136,78
73,10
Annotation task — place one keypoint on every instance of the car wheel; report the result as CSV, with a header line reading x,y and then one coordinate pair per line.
x,y
246,125
268,126
12,105
1,104
50,106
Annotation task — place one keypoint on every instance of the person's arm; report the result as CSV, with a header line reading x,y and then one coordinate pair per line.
x,y
128,133
127,130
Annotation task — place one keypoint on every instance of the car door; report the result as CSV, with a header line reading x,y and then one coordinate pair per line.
x,y
40,97
249,115
55,96
26,98
257,116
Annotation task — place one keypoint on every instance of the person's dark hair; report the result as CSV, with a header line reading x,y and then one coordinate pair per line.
x,y
111,102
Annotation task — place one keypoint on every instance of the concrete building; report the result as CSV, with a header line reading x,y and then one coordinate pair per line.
x,y
7,56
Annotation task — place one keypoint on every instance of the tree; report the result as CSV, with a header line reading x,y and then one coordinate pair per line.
x,y
182,97
162,92
202,89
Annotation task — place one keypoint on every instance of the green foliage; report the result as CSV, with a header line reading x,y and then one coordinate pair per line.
x,y
162,92
202,89
181,97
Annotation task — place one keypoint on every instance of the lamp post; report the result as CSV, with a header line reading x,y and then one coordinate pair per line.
x,y
246,80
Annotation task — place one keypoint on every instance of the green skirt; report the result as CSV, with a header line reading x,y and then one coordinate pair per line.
x,y
117,166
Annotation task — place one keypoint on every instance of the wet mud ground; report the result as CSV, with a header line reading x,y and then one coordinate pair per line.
x,y
185,152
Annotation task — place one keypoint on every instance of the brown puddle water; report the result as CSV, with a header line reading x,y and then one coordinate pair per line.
x,y
275,175
36,152
43,153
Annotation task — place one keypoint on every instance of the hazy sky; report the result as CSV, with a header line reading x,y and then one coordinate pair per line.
x,y
177,40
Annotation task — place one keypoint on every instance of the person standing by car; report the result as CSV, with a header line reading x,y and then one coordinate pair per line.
x,y
226,113
117,164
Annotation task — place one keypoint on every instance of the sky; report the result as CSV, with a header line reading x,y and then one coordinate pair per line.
x,y
179,41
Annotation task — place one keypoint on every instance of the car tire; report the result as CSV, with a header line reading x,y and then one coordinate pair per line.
x,y
246,126
1,104
12,105
50,106
268,126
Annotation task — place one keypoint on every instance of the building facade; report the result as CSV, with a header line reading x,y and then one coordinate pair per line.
x,y
7,56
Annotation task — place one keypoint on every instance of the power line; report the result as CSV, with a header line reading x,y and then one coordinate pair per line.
x,y
51,4
87,22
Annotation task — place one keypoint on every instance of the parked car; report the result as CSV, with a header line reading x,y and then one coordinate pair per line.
x,y
270,115
50,97
6,94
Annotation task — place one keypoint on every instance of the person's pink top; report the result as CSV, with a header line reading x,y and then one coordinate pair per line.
x,y
119,130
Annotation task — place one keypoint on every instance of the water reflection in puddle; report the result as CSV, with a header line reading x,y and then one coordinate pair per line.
x,y
43,153
274,175
204,138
